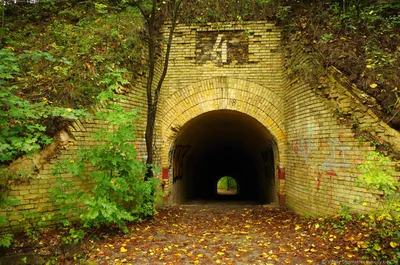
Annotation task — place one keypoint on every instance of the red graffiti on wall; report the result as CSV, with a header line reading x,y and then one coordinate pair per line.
x,y
335,159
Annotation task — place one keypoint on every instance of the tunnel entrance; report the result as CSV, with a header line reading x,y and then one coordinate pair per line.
x,y
223,143
227,186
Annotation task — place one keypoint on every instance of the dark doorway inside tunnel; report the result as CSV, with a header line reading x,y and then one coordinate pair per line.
x,y
223,143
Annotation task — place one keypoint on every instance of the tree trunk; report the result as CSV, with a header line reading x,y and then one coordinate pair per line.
x,y
153,104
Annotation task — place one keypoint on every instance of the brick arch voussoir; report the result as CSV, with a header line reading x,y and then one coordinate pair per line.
x,y
222,94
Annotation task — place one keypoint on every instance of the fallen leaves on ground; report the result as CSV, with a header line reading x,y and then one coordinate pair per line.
x,y
215,234
224,235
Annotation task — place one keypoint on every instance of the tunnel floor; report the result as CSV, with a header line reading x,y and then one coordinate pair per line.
x,y
231,235
219,144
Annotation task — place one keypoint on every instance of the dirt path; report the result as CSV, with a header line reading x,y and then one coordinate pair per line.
x,y
225,234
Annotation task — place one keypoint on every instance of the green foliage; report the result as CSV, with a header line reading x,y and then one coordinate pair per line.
x,y
324,39
22,123
117,191
377,174
6,204
35,223
79,41
345,213
74,236
6,239
227,183
21,129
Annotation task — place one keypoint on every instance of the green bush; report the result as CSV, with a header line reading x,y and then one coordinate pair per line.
x,y
377,175
115,178
22,129
22,125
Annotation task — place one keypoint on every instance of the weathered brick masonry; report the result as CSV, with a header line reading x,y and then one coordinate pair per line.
x,y
224,66
323,114
243,68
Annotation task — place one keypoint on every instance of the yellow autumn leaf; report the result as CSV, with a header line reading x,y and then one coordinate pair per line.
x,y
220,253
123,250
310,261
200,255
68,110
297,227
373,85
218,261
196,261
369,66
361,244
393,244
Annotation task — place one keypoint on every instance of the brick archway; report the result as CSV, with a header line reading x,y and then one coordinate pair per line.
x,y
223,93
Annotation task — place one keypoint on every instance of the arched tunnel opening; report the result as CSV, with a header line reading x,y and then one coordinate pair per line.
x,y
223,143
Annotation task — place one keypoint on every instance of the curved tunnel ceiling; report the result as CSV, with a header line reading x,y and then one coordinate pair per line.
x,y
224,143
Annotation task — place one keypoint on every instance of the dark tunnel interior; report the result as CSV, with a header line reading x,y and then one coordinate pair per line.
x,y
223,143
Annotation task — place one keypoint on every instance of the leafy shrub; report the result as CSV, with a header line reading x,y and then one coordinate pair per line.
x,y
22,129
6,204
116,191
21,122
377,175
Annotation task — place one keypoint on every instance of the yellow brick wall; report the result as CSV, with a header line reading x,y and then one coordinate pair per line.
x,y
233,66
323,119
304,110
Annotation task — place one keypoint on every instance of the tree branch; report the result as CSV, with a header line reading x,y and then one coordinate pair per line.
x,y
167,52
141,11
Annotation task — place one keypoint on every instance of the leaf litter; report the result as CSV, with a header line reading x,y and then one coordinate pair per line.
x,y
231,235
